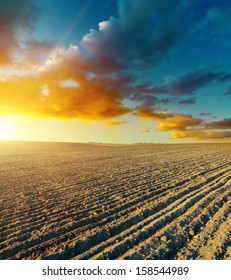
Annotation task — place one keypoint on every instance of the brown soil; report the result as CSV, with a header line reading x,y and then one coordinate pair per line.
x,y
86,201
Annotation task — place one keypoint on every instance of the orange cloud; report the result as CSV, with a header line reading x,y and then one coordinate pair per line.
x,y
168,120
44,95
146,130
200,134
186,126
178,122
115,123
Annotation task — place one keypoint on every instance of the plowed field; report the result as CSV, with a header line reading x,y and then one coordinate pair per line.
x,y
88,201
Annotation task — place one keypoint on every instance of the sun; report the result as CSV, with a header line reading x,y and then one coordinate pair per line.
x,y
6,129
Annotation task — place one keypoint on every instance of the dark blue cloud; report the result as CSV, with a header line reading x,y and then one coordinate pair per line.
x,y
205,114
225,78
228,91
189,83
144,33
188,101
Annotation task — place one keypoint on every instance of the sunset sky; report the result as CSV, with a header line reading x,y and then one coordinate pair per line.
x,y
115,71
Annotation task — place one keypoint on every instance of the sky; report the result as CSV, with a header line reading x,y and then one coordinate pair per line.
x,y
115,71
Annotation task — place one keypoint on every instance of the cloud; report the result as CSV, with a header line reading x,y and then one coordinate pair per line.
x,y
179,122
69,83
16,16
189,83
168,120
220,19
34,52
200,134
91,100
146,89
205,114
165,100
145,113
88,106
228,91
186,126
91,81
61,86
101,68
143,34
146,100
146,130
220,124
225,78
186,84
187,101
116,123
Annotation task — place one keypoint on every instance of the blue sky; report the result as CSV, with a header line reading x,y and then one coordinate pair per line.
x,y
57,18
146,70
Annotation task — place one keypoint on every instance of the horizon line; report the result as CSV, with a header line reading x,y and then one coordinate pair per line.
x,y
110,143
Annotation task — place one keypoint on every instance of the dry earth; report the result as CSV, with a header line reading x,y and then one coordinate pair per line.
x,y
86,201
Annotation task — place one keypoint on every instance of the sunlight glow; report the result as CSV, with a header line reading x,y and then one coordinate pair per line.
x,y
6,129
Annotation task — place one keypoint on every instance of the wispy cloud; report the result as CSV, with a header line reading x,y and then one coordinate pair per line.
x,y
146,130
189,83
188,101
205,114
220,124
228,91
115,123
219,18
